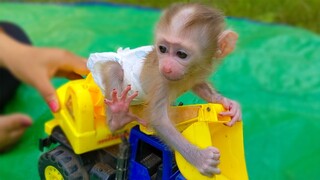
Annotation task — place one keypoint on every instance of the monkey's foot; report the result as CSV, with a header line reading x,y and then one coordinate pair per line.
x,y
118,108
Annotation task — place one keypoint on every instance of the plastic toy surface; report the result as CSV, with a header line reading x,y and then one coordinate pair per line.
x,y
89,149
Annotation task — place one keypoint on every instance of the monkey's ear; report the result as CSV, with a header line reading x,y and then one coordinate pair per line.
x,y
226,43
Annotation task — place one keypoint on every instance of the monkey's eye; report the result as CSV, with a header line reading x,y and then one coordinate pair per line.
x,y
182,54
162,49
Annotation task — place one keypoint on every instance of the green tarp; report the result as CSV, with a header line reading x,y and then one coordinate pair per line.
x,y
274,74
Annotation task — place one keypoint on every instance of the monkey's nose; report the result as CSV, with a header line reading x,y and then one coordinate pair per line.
x,y
167,69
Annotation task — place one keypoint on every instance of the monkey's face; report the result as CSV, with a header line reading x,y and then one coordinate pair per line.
x,y
174,58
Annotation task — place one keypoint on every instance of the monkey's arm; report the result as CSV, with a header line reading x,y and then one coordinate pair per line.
x,y
207,92
206,160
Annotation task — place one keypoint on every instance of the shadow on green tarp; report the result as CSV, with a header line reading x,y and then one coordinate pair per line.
x,y
274,74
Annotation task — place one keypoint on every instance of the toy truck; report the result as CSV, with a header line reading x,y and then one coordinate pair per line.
x,y
81,146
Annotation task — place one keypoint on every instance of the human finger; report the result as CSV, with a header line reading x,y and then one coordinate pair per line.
x,y
11,129
66,60
74,63
69,75
48,92
14,121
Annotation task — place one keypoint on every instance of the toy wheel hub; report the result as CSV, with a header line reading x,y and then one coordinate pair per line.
x,y
52,173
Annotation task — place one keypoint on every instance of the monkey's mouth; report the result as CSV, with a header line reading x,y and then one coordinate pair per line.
x,y
172,77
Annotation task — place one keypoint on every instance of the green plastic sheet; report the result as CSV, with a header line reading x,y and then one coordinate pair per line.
x,y
274,74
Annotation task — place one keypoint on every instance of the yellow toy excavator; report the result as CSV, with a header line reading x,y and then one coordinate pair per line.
x,y
87,149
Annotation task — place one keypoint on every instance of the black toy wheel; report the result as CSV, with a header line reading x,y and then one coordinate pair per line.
x,y
60,163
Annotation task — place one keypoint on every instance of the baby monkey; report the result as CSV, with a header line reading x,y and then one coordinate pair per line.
x,y
190,40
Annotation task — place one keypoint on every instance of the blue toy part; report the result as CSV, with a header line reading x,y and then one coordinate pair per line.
x,y
139,171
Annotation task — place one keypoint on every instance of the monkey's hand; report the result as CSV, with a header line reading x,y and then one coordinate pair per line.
x,y
233,110
207,161
119,109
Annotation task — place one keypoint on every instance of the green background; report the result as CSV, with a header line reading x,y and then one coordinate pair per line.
x,y
274,74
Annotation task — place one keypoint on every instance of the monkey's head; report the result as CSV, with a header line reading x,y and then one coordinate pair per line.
x,y
186,39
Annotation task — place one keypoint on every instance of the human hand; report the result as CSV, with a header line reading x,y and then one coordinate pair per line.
x,y
35,66
12,128
233,110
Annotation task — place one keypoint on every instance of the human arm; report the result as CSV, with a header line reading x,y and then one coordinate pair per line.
x,y
35,66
